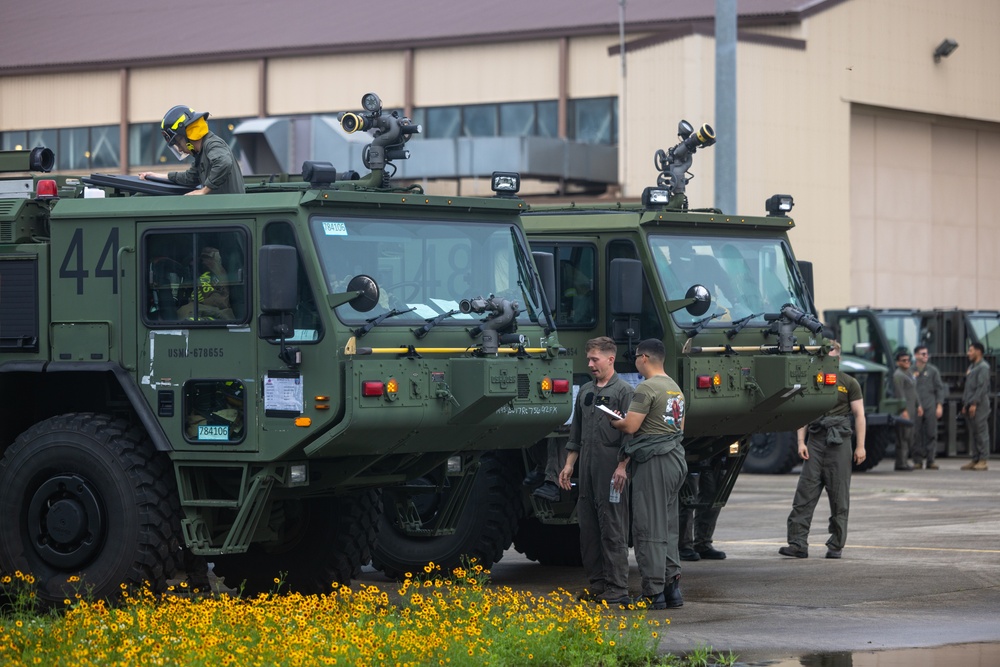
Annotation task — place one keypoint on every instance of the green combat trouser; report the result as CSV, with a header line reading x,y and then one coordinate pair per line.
x,y
603,524
829,467
655,529
698,526
979,434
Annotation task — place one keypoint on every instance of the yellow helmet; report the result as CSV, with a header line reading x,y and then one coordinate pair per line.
x,y
175,123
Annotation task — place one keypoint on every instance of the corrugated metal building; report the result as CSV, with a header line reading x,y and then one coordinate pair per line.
x,y
893,155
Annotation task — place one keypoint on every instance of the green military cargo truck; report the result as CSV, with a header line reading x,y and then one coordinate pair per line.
x,y
947,333
727,298
232,378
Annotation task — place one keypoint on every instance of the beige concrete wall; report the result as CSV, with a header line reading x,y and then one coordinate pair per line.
x,y
222,89
888,45
656,103
925,211
592,72
518,71
324,84
60,100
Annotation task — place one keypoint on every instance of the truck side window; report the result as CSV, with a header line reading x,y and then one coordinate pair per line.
x,y
649,323
214,411
576,289
195,278
306,322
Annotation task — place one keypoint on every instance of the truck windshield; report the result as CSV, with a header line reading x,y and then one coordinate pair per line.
x,y
426,266
746,276
987,328
902,330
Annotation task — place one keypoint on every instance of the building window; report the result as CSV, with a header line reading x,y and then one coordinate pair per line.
x,y
479,121
79,149
594,121
591,121
443,122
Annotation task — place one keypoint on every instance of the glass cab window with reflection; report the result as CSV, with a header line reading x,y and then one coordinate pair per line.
x,y
214,411
747,277
195,278
424,268
306,320
576,288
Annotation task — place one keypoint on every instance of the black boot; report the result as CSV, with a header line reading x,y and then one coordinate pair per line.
x,y
672,593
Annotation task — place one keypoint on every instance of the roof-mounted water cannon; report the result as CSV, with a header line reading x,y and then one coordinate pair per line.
x,y
499,325
783,325
390,132
674,164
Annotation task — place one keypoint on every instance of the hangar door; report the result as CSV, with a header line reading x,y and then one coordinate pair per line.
x,y
925,211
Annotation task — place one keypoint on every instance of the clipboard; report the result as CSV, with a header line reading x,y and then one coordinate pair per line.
x,y
614,415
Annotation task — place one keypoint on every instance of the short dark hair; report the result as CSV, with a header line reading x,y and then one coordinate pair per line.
x,y
978,346
652,347
602,344
918,348
902,352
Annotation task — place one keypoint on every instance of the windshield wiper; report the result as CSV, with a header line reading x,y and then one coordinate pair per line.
x,y
525,279
433,322
375,321
700,324
740,324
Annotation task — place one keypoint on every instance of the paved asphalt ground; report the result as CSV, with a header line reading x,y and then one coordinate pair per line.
x,y
921,568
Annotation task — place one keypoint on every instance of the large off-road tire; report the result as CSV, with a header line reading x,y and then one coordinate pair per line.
x,y
327,540
772,453
877,441
549,544
87,495
484,531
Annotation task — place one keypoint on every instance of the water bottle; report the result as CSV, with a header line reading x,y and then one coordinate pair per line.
x,y
615,496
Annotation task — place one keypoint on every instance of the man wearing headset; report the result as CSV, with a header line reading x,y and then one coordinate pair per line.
x,y
215,169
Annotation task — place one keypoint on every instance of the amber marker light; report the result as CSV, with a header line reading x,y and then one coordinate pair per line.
x,y
392,389
716,381
545,386
303,421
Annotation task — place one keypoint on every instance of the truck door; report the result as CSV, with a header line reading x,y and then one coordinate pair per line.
x,y
196,360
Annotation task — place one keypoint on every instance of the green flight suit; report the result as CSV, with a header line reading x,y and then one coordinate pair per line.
x,y
977,392
657,467
905,388
214,167
603,524
931,391
828,466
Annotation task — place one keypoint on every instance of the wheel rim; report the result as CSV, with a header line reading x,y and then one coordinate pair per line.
x,y
65,522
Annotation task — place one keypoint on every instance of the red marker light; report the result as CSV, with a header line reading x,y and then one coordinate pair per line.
x,y
47,189
372,388
830,378
704,382
560,386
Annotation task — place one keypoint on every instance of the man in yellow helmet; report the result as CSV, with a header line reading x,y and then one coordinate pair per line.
x,y
215,169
